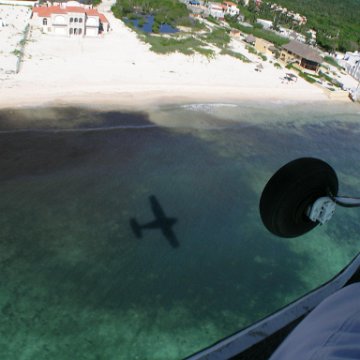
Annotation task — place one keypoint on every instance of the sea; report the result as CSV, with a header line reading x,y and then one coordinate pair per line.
x,y
78,283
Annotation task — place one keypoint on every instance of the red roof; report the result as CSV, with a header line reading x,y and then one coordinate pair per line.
x,y
75,9
46,11
103,18
92,12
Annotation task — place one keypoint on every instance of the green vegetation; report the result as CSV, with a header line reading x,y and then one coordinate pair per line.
x,y
307,77
210,54
20,51
336,22
17,52
196,25
262,56
188,44
249,12
23,42
325,76
236,55
312,78
218,37
166,45
174,13
270,36
258,32
251,49
170,12
330,60
329,79
277,66
212,20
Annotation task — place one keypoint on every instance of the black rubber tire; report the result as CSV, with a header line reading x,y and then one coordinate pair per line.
x,y
289,193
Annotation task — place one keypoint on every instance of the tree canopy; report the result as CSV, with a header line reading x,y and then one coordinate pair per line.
x,y
336,21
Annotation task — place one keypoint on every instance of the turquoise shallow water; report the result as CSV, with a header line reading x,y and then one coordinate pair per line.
x,y
75,281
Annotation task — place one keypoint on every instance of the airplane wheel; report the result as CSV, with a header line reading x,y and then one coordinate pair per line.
x,y
289,193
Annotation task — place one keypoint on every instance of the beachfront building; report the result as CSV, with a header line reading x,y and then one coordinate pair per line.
x,y
351,63
266,24
68,20
231,8
305,56
264,47
216,10
235,33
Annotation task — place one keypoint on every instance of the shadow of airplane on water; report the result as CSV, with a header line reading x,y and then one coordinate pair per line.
x,y
161,222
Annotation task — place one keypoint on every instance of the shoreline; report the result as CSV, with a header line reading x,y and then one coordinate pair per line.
x,y
167,109
143,98
120,72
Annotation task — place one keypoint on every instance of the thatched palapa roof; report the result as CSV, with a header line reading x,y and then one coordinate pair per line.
x,y
250,38
303,51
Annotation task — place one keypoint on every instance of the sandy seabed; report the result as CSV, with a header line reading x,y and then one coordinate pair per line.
x,y
77,283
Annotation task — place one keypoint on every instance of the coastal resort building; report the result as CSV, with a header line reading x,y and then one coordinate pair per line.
x,y
264,47
70,19
231,8
216,10
351,63
266,24
235,33
305,56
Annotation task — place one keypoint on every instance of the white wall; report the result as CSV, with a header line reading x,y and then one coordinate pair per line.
x,y
92,32
60,30
351,64
92,21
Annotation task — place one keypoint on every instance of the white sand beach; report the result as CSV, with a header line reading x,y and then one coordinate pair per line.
x,y
13,21
118,69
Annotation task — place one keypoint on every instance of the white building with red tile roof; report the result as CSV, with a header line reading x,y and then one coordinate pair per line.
x,y
70,19
231,8
216,10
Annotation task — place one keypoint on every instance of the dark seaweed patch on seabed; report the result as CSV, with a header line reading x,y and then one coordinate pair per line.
x,y
72,269
68,118
34,147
